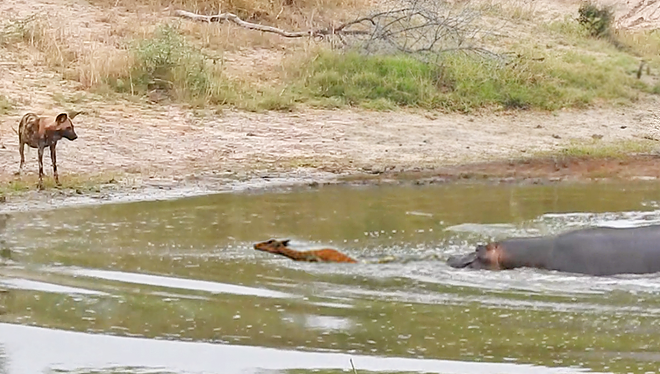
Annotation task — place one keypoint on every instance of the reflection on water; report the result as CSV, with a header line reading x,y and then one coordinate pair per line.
x,y
26,284
3,361
175,286
185,284
67,351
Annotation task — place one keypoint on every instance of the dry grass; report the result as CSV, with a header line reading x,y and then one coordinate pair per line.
x,y
292,13
60,48
516,10
40,33
646,44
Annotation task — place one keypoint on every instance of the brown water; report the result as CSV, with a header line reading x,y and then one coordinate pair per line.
x,y
175,287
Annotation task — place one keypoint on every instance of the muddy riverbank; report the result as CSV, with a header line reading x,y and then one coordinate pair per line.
x,y
537,170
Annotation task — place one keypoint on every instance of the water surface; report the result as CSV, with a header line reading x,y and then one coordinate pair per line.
x,y
174,286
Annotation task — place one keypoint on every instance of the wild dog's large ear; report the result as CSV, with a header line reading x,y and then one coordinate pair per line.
x,y
285,242
61,117
74,113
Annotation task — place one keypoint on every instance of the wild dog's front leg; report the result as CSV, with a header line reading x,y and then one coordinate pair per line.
x,y
53,158
41,167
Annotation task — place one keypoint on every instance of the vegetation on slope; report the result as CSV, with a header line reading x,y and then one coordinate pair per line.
x,y
570,63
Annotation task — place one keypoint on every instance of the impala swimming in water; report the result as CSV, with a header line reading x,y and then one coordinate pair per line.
x,y
281,247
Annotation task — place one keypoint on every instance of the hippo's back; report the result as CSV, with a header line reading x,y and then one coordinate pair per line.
x,y
607,251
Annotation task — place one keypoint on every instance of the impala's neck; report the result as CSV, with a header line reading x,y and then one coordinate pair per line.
x,y
293,254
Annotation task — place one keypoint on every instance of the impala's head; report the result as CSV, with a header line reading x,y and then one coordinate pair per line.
x,y
272,245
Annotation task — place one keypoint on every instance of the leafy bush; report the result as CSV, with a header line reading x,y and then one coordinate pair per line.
x,y
597,20
166,63
6,105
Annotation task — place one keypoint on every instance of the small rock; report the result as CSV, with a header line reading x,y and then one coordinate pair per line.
x,y
624,127
556,136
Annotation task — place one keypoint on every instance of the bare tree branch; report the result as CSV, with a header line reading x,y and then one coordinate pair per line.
x,y
263,28
419,27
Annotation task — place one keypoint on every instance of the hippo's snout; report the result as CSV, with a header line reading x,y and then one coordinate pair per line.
x,y
462,261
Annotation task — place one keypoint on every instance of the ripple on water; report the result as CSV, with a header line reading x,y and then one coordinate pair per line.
x,y
26,284
172,282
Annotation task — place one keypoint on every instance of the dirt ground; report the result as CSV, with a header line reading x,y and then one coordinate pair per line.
x,y
143,144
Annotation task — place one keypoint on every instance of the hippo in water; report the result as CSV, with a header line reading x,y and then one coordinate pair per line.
x,y
593,251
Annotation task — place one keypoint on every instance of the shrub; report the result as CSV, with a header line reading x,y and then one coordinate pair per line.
x,y
166,63
597,20
6,105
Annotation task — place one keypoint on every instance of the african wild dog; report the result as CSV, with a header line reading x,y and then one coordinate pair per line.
x,y
41,132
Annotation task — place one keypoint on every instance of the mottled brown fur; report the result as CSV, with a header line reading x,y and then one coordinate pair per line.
x,y
41,132
280,247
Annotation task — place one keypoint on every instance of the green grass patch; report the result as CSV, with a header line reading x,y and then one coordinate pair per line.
x,y
77,183
463,83
167,64
6,105
599,149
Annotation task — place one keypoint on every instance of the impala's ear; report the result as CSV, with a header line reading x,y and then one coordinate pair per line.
x,y
285,242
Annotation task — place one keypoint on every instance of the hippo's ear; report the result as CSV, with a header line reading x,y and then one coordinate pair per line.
x,y
285,242
61,117
486,247
481,248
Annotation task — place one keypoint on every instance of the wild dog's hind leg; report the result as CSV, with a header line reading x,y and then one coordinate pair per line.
x,y
21,150
41,167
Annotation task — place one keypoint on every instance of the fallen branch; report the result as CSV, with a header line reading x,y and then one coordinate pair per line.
x,y
340,30
423,28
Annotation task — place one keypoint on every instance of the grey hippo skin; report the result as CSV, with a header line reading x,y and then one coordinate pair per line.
x,y
593,251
